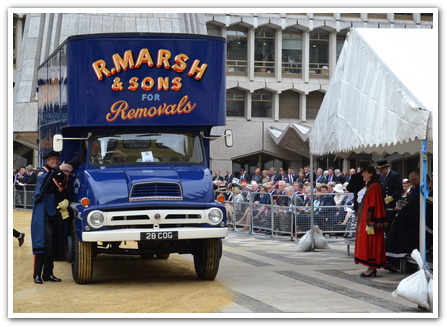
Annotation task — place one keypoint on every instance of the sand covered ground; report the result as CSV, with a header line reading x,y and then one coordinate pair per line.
x,y
121,284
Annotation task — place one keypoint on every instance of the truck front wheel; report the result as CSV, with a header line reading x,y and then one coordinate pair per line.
x,y
207,258
82,265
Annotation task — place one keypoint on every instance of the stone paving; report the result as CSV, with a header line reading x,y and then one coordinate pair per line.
x,y
269,276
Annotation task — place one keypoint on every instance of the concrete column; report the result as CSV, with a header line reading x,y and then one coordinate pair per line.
x,y
47,34
278,55
275,106
345,166
332,53
306,50
36,159
223,31
251,54
303,106
248,105
417,18
18,37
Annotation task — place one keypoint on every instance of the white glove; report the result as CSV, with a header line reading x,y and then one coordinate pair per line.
x,y
66,168
62,207
369,230
388,199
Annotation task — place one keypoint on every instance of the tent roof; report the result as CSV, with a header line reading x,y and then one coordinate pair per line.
x,y
295,137
382,94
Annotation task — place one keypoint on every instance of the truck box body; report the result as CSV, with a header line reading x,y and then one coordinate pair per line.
x,y
135,112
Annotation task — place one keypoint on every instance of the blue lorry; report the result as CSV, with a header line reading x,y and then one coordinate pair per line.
x,y
134,114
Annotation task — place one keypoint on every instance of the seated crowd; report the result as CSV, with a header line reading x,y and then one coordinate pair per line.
x,y
282,195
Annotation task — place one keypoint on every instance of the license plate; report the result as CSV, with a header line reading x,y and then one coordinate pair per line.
x,y
159,235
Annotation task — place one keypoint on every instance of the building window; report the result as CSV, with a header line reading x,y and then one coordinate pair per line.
x,y
350,15
403,16
319,52
236,49
289,105
292,45
235,102
212,30
377,16
427,16
341,37
261,104
265,50
314,100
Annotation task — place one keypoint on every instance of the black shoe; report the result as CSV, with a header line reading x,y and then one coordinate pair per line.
x,y
371,274
21,238
52,278
38,280
390,268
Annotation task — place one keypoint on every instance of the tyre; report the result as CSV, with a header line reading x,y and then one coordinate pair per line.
x,y
70,248
147,256
145,246
207,258
82,265
162,255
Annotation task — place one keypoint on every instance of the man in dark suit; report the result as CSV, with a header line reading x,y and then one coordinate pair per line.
x,y
307,175
321,179
331,176
244,176
391,189
351,173
217,176
291,176
274,175
32,178
257,176
229,177
391,184
339,177
403,235
325,214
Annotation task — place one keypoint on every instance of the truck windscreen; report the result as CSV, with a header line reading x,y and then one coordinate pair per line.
x,y
146,148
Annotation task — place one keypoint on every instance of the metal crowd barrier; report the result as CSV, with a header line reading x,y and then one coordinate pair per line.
x,y
292,220
23,196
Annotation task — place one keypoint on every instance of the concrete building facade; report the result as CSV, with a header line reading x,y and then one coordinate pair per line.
x,y
278,70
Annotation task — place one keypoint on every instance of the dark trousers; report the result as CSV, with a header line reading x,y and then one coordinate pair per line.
x,y
43,262
390,215
16,233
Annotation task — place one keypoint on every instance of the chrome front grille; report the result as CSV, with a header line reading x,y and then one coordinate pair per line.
x,y
156,191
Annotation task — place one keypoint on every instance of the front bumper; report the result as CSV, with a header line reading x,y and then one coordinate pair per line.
x,y
185,233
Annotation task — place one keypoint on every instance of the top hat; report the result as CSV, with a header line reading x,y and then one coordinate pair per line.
x,y
382,163
51,154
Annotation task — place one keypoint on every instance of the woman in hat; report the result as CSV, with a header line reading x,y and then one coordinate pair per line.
x,y
49,196
406,185
371,220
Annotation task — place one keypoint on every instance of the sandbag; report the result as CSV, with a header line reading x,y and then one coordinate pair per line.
x,y
430,293
305,242
320,240
415,287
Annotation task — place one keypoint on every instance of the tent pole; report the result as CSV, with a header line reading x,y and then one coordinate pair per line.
x,y
422,212
312,236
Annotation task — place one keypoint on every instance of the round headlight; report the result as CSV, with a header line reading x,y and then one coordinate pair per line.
x,y
215,216
96,219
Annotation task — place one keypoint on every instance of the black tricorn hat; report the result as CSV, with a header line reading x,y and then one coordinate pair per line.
x,y
382,163
51,153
